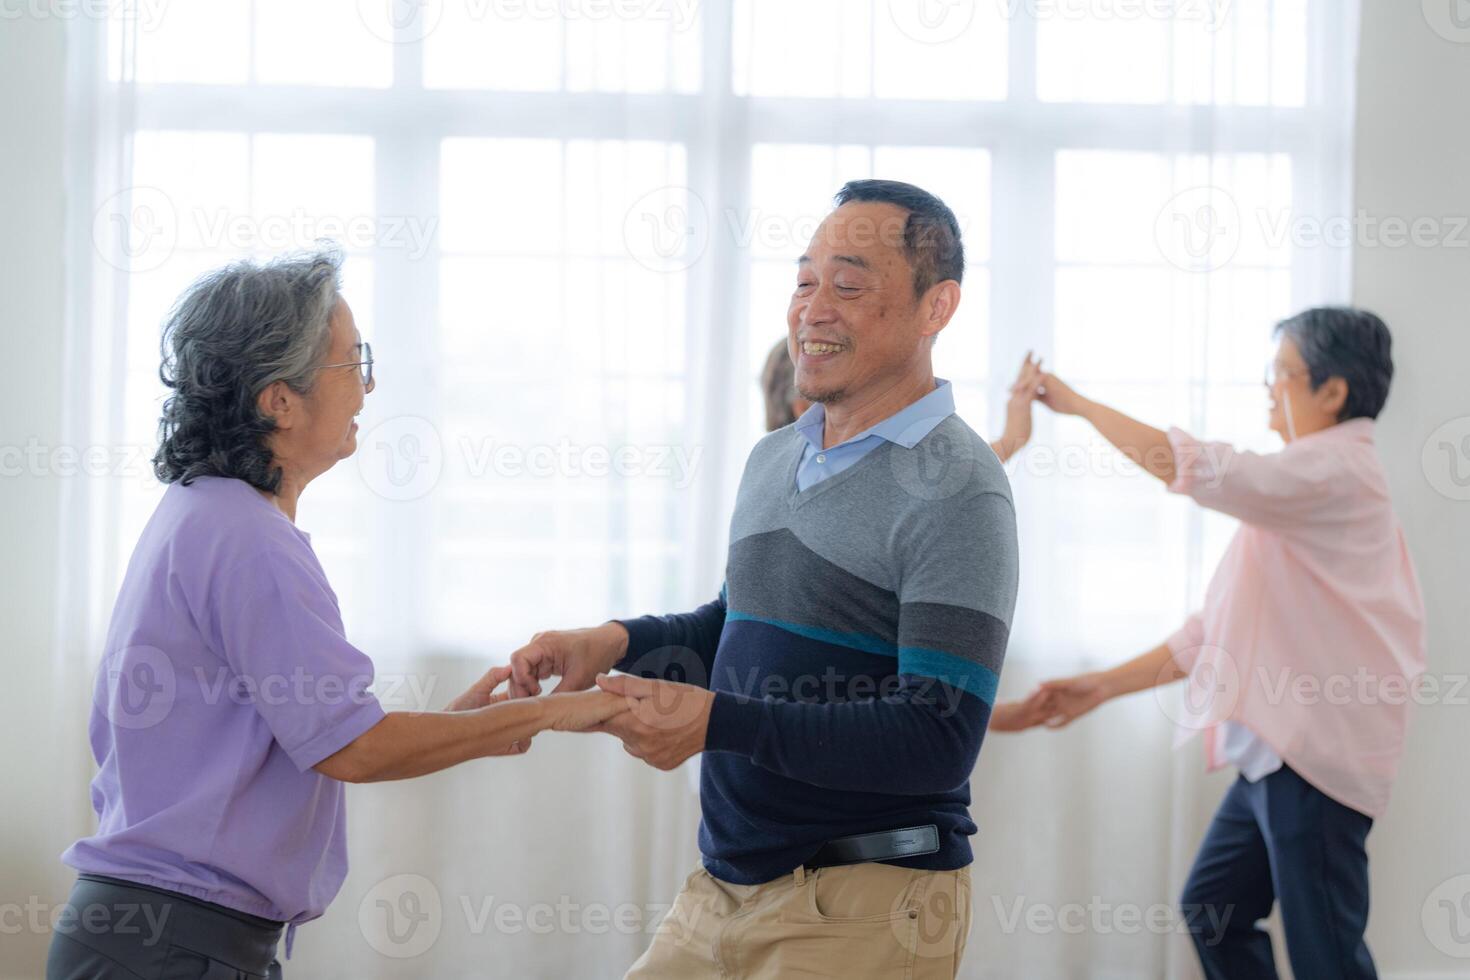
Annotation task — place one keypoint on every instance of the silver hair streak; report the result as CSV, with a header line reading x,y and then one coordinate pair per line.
x,y
234,332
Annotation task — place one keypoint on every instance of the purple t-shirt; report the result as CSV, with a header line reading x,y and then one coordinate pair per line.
x,y
226,677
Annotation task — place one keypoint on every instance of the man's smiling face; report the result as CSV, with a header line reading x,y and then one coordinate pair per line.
x,y
854,321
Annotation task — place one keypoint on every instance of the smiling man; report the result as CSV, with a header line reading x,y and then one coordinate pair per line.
x,y
841,684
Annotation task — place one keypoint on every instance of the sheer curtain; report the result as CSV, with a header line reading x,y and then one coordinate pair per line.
x,y
570,232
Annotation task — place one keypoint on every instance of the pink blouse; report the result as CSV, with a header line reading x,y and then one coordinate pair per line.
x,y
1312,632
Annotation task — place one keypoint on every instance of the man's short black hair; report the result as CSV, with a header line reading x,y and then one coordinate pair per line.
x,y
1352,344
931,235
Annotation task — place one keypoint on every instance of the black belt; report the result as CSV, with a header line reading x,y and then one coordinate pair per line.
x,y
887,845
244,942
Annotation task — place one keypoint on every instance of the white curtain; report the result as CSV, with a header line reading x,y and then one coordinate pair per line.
x,y
570,232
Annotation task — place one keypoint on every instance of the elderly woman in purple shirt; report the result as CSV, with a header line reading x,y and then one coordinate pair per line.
x,y
230,707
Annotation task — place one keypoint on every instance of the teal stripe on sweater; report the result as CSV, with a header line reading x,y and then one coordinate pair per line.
x,y
966,675
958,672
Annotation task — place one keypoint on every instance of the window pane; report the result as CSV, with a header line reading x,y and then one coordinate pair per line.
x,y
545,47
1193,211
658,50
191,42
307,188
813,49
515,47
192,190
318,42
927,50
1117,325
500,195
1251,52
628,198
900,49
1245,52
1091,53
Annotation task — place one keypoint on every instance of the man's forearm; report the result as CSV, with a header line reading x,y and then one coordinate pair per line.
x,y
1142,443
677,647
906,745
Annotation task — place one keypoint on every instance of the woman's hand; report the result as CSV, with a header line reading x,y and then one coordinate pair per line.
x,y
1058,396
1023,392
1065,700
483,692
1017,716
581,711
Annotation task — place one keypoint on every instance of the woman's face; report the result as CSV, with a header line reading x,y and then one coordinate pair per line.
x,y
1290,388
329,432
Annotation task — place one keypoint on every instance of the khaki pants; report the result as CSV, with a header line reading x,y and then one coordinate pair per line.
x,y
860,920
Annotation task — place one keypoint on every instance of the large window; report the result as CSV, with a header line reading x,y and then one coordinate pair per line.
x,y
571,230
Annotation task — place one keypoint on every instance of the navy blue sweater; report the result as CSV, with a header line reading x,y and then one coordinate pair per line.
x,y
854,651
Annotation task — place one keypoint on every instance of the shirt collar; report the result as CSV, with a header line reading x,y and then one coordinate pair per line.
x,y
1360,429
904,428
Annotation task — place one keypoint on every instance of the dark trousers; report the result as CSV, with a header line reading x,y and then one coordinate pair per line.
x,y
115,930
1281,840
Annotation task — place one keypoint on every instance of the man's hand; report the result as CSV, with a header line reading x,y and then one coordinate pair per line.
x,y
665,723
1058,396
576,656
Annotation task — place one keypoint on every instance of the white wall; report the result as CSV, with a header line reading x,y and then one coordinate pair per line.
x,y
1413,161
37,814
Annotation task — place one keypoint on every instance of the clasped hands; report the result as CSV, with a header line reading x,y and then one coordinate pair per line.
x,y
1054,703
660,722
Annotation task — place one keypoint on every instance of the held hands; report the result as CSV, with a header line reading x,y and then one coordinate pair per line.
x,y
665,722
1058,396
576,656
1023,391
1055,704
660,722
483,693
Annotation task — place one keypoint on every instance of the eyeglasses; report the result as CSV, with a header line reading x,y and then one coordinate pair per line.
x,y
1280,372
366,364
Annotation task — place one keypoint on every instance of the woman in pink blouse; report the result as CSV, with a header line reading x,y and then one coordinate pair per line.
x,y
1301,664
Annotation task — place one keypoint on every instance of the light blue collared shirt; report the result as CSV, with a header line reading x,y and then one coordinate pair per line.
x,y
905,427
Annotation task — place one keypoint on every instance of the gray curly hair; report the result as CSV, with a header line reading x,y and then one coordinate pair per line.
x,y
234,332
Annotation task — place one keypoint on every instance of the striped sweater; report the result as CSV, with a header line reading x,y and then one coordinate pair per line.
x,y
854,651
